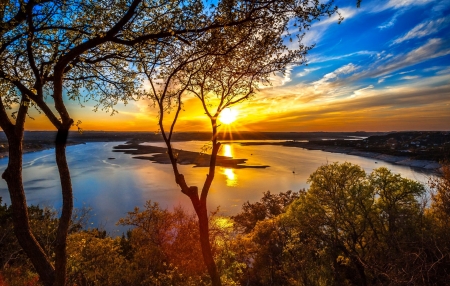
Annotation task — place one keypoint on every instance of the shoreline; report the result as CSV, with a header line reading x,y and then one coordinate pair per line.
x,y
158,155
30,149
427,166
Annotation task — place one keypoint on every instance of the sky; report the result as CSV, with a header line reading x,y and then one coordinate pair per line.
x,y
386,67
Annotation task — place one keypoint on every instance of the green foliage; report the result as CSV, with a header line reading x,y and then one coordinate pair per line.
x,y
441,195
163,245
349,228
94,259
270,206
15,265
43,223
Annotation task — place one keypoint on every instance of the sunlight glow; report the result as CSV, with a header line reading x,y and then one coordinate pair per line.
x,y
231,177
228,116
228,150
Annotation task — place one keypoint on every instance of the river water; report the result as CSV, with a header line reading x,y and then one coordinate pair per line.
x,y
111,187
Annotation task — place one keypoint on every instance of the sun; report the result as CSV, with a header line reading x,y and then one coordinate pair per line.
x,y
228,116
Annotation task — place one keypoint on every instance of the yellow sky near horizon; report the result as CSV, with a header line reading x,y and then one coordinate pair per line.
x,y
282,109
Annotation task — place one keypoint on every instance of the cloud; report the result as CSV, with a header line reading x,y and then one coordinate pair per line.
x,y
409,77
319,28
306,71
389,23
380,80
361,91
443,71
280,79
433,48
319,59
421,30
405,72
333,75
397,4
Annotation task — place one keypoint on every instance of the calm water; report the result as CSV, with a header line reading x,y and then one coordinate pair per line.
x,y
113,187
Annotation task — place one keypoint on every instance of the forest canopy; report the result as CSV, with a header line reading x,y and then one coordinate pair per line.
x,y
348,228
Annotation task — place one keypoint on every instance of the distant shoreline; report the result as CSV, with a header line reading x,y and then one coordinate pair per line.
x,y
43,140
426,165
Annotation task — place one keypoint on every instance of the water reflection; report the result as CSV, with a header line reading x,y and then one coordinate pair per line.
x,y
231,178
227,150
114,187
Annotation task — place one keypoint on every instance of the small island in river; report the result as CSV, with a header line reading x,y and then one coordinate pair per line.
x,y
159,155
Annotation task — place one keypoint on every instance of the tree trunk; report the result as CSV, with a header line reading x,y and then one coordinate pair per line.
x,y
67,207
203,223
13,178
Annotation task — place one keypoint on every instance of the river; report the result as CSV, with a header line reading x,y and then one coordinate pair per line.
x,y
111,187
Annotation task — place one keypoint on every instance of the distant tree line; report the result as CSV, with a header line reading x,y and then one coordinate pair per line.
x,y
348,228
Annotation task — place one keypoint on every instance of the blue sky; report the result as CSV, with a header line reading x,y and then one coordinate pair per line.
x,y
386,67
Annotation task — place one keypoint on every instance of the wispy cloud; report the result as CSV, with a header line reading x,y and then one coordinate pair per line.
x,y
433,48
398,4
349,68
319,28
423,29
409,77
321,59
281,79
361,91
306,71
391,22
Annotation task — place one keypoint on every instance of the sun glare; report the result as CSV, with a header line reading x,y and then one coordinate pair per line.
x,y
228,116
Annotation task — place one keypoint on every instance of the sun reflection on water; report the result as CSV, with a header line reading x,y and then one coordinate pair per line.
x,y
231,178
227,150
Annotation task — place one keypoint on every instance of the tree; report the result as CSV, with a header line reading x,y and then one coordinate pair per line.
x,y
441,195
270,206
222,68
364,228
51,46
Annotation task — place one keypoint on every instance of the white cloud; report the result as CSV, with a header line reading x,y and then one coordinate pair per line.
x,y
389,23
306,71
361,91
318,59
433,48
280,79
409,77
349,68
380,80
397,4
319,28
423,29
444,71
346,69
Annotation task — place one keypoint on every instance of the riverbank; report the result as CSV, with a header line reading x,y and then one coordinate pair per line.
x,y
426,165
31,147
